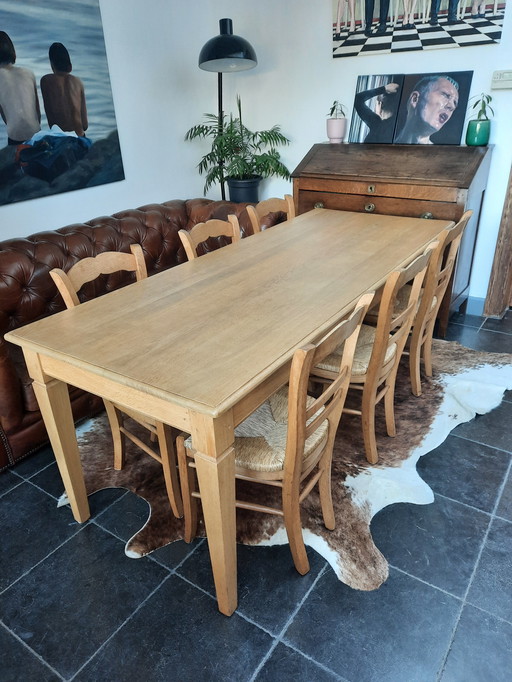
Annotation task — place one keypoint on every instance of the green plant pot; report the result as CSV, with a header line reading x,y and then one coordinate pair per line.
x,y
244,190
478,132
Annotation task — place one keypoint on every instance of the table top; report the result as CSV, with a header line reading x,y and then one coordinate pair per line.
x,y
208,331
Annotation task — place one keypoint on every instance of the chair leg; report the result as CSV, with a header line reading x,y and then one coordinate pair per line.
x,y
325,492
169,466
368,425
115,419
389,403
293,525
414,363
187,480
427,349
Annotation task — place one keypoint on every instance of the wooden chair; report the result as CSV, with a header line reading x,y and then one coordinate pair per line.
x,y
288,441
89,269
68,285
379,350
201,232
263,208
438,276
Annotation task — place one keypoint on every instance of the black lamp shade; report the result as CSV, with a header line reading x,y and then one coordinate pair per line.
x,y
227,52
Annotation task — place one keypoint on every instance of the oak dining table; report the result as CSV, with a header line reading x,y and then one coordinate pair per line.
x,y
200,346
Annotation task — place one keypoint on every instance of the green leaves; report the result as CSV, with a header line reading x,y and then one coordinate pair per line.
x,y
237,151
482,103
336,110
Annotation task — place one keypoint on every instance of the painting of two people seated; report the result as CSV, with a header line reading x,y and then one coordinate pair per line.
x,y
428,108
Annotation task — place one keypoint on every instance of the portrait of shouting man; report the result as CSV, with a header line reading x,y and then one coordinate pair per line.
x,y
433,111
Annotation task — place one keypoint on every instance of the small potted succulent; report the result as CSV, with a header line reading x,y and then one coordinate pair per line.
x,y
479,128
336,123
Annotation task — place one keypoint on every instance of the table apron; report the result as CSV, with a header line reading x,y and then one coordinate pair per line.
x,y
250,402
120,394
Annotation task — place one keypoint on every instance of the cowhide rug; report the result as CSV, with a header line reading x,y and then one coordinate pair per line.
x,y
466,383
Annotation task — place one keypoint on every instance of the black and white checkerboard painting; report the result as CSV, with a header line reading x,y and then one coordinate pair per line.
x,y
467,31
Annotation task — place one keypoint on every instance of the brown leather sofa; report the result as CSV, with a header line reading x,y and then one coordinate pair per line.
x,y
27,293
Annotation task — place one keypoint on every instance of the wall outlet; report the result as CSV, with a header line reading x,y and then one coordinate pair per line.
x,y
501,80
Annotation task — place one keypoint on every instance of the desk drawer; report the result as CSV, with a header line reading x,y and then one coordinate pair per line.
x,y
378,188
414,208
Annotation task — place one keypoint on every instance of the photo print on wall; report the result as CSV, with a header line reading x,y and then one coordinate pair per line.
x,y
383,27
58,130
424,108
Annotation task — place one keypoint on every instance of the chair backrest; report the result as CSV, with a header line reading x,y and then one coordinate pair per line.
x,y
88,269
395,319
201,232
306,415
274,205
440,270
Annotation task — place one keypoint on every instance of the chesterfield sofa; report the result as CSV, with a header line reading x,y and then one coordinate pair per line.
x,y
27,293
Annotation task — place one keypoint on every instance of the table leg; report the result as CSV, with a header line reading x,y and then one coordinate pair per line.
x,y
216,477
53,400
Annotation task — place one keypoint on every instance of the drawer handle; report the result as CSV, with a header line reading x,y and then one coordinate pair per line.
x,y
427,215
369,208
319,204
371,189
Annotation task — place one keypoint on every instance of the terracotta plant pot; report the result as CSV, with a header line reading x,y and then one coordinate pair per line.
x,y
336,129
478,132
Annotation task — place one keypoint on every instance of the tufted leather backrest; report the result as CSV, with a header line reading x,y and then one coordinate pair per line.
x,y
28,293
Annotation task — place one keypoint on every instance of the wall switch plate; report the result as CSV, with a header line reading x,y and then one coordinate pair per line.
x,y
501,80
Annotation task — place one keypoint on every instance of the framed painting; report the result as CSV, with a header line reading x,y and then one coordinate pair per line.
x,y
384,27
58,129
421,108
433,108
375,109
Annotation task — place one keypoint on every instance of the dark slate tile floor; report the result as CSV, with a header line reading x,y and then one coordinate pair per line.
x,y
74,607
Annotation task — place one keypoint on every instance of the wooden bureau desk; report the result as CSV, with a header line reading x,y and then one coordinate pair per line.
x,y
420,181
201,345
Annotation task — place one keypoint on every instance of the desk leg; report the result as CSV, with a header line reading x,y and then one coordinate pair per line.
x,y
53,399
216,477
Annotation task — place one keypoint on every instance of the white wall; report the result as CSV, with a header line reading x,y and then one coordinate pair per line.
x,y
159,92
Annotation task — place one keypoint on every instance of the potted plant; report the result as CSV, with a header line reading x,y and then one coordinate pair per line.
x,y
479,129
336,123
239,156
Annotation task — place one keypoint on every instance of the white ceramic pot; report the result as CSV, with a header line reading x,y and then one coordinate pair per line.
x,y
336,129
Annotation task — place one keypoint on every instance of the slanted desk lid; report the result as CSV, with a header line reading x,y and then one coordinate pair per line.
x,y
442,165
